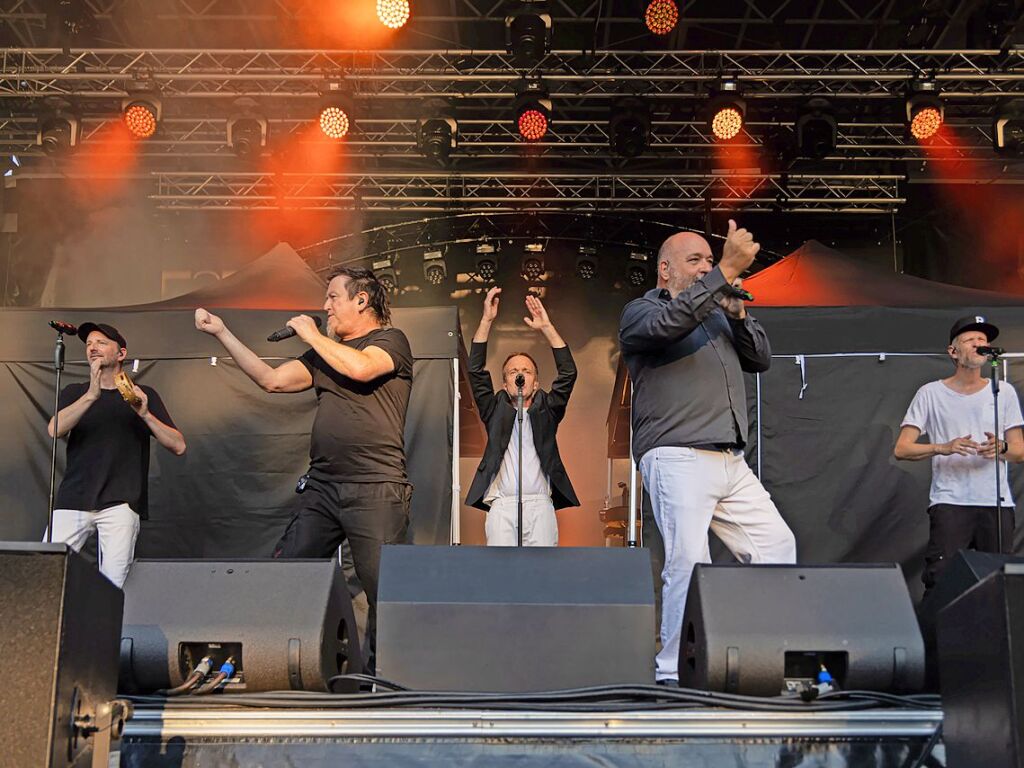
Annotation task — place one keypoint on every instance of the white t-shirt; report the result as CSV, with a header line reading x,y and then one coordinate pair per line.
x,y
943,415
535,482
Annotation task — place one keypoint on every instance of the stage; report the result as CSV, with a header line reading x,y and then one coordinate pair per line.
x,y
202,734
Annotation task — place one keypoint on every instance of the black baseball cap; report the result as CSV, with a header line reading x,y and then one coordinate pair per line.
x,y
973,323
107,330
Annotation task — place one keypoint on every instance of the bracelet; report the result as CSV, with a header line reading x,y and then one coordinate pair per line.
x,y
1006,447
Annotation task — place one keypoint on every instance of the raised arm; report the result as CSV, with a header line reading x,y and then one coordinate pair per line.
x,y
291,376
561,387
479,378
69,416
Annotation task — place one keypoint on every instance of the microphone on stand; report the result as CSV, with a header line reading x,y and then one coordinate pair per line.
x,y
61,327
991,351
287,332
520,380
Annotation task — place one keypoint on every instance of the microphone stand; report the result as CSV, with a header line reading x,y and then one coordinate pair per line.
x,y
519,464
995,415
58,367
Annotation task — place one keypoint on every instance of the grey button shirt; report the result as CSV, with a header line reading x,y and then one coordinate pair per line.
x,y
686,360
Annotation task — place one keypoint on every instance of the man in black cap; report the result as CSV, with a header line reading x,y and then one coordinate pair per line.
x,y
956,414
105,484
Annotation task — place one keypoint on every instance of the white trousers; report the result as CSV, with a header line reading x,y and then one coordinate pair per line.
x,y
116,528
692,491
540,526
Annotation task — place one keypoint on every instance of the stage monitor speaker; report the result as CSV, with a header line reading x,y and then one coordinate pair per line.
x,y
287,624
60,624
767,629
514,618
981,654
964,571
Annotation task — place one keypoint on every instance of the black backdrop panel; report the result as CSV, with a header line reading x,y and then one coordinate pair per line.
x,y
232,493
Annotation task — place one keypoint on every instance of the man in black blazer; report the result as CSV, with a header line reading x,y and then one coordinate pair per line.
x,y
546,485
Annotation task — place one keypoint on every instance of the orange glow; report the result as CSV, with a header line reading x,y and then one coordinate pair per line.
x,y
533,124
140,119
726,123
925,123
334,122
393,14
348,24
101,169
661,16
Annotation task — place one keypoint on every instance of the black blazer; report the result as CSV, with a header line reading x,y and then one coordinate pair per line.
x,y
499,413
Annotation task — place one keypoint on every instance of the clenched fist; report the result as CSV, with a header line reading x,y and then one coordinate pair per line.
x,y
208,322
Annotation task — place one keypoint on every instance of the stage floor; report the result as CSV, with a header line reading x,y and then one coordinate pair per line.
x,y
196,737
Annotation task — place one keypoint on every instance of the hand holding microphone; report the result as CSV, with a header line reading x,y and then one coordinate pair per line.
x,y
301,325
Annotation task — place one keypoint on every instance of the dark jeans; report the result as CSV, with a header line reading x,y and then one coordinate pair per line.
x,y
954,527
367,515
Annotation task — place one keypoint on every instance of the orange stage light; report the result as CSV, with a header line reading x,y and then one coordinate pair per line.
x,y
393,13
661,16
334,122
140,119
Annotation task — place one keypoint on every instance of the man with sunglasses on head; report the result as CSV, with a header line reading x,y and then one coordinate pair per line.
x,y
545,483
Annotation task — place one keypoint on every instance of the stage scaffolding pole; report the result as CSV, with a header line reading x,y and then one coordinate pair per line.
x,y
455,534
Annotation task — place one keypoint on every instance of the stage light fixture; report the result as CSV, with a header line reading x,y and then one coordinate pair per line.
x,y
661,16
532,267
817,130
528,37
486,261
58,133
247,131
386,274
726,111
435,270
1008,128
586,262
437,137
637,269
533,112
393,14
629,127
925,112
337,116
12,164
141,114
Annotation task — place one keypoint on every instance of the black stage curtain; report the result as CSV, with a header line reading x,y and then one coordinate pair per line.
x,y
232,493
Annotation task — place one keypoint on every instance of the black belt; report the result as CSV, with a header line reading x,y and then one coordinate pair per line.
x,y
717,447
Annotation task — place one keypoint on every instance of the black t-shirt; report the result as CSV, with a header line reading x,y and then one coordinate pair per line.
x,y
358,432
108,452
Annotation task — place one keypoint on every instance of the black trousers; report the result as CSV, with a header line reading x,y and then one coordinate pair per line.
x,y
367,515
954,527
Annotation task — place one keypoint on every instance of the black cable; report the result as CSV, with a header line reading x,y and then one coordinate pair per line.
x,y
194,678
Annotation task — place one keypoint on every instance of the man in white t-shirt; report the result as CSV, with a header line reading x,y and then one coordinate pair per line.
x,y
957,415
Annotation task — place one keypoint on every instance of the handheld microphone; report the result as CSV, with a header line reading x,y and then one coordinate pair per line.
x,y
287,332
520,380
67,328
739,293
992,351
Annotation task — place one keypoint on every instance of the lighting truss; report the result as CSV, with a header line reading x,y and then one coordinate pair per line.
x,y
525,192
468,74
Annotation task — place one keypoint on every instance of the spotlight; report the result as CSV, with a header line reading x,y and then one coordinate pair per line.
x,y
817,131
924,112
336,113
1008,128
247,131
528,37
435,271
12,164
437,137
726,111
486,261
532,267
533,112
629,127
637,271
393,13
58,133
661,16
386,274
586,263
141,114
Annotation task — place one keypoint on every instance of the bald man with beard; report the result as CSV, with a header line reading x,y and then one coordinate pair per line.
x,y
687,344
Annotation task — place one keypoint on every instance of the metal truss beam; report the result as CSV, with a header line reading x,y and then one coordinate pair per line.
x,y
467,74
565,192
